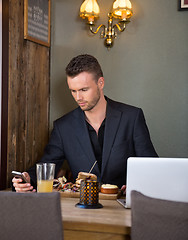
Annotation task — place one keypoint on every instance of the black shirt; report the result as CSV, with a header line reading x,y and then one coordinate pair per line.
x,y
97,141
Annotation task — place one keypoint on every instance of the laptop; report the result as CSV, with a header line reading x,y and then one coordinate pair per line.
x,y
162,178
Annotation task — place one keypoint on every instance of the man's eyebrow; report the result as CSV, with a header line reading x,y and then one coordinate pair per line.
x,y
78,89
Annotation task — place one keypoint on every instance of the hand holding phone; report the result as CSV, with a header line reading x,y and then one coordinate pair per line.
x,y
19,175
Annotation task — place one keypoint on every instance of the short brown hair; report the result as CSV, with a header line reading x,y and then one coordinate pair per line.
x,y
84,63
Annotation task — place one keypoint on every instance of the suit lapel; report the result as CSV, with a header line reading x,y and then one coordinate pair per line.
x,y
113,117
79,125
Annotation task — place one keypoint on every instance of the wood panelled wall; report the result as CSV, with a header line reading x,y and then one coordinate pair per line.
x,y
28,95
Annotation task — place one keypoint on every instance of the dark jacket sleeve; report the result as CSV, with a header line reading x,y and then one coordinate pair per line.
x,y
53,153
142,141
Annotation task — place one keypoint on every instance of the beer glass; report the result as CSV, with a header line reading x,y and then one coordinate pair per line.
x,y
45,176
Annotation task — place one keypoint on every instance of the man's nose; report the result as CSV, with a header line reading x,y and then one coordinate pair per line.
x,y
78,96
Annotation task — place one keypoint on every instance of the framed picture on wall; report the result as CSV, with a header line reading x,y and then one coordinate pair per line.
x,y
37,21
183,5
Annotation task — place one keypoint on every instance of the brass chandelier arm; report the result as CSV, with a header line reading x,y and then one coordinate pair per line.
x,y
94,32
119,27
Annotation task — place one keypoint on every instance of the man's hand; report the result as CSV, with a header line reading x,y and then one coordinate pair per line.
x,y
123,190
23,187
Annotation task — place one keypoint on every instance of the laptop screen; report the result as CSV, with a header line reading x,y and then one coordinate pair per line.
x,y
163,178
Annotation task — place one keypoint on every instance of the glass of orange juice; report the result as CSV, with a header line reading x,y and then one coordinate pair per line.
x,y
45,176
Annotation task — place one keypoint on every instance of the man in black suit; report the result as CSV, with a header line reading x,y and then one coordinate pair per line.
x,y
99,129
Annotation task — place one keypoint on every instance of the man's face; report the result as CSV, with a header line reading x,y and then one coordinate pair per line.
x,y
85,90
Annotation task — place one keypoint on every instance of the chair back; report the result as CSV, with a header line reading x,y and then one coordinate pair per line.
x,y
30,216
158,219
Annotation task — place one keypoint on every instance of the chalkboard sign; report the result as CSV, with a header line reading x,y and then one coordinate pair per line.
x,y
37,21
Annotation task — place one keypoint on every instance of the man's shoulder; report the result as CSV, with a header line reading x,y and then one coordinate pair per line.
x,y
68,116
122,106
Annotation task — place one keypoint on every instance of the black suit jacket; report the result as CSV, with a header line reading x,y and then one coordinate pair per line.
x,y
126,135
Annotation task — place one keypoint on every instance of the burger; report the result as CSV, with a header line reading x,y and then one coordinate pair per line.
x,y
84,176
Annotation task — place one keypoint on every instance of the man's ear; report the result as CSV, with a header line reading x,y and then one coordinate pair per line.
x,y
101,82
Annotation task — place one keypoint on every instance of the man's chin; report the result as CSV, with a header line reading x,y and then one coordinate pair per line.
x,y
86,108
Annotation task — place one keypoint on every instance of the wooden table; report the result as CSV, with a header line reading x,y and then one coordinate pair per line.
x,y
110,222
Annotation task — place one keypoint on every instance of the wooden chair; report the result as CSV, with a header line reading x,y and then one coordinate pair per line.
x,y
30,216
154,219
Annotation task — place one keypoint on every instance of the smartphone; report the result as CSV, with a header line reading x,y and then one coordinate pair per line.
x,y
19,175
